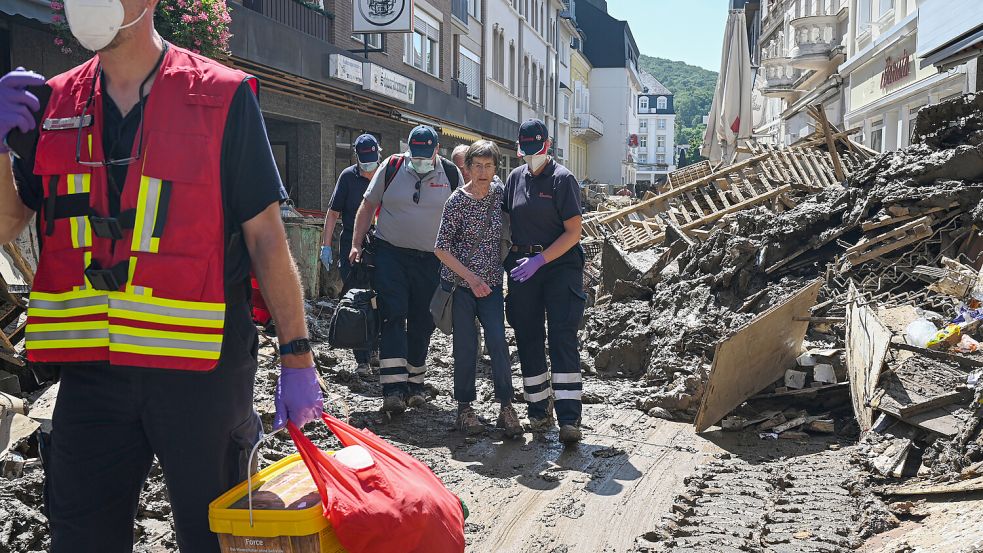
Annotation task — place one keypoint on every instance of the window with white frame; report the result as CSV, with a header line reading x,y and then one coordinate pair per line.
x,y
643,157
660,159
470,68
885,7
643,103
643,141
643,126
474,8
662,124
877,136
512,69
565,103
661,102
375,39
863,16
660,141
423,44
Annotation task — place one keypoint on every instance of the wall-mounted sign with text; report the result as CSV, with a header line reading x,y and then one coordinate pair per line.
x,y
380,80
345,69
382,16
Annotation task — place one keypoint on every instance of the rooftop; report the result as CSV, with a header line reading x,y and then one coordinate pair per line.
x,y
653,85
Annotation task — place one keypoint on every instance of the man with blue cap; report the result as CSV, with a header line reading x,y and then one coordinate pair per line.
x,y
409,193
546,285
347,196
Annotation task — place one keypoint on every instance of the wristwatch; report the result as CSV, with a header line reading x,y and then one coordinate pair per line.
x,y
297,347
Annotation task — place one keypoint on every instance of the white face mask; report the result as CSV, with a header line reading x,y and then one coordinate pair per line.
x,y
368,167
536,161
422,166
95,23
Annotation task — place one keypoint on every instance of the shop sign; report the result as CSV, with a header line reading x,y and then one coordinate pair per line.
x,y
896,69
382,16
380,80
345,69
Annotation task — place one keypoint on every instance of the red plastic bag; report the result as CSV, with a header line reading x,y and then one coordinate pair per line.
x,y
397,505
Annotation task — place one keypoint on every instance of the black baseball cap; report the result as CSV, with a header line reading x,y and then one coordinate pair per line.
x,y
532,138
423,141
367,148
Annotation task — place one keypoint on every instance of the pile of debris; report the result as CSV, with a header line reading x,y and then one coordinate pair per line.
x,y
750,295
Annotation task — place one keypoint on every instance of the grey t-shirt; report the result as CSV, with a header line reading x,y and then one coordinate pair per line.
x,y
403,222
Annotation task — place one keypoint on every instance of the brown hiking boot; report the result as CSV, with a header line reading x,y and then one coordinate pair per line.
x,y
544,424
467,422
393,405
570,433
508,420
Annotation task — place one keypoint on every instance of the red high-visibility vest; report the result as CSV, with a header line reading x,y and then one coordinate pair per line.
x,y
144,288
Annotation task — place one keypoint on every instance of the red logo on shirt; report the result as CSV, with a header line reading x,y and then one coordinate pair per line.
x,y
545,195
439,185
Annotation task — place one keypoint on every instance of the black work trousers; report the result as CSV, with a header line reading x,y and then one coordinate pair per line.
x,y
361,355
550,305
109,423
405,281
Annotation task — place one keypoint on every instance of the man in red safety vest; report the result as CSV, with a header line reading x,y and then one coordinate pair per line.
x,y
155,189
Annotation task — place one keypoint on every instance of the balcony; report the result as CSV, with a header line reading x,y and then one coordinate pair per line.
x,y
780,77
296,15
814,34
587,125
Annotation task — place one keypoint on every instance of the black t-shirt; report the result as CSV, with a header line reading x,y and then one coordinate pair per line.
x,y
250,179
538,205
347,196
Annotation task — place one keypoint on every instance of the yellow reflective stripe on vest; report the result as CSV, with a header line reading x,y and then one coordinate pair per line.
x,y
162,351
148,201
81,230
68,304
175,312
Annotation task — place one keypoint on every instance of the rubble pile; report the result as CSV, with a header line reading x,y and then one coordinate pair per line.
x,y
660,312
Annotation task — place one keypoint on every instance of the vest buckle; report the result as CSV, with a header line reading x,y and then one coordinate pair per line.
x,y
108,280
106,227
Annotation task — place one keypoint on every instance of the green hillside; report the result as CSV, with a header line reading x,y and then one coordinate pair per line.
x,y
692,89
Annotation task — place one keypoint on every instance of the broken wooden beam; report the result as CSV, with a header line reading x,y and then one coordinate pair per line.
x,y
867,342
908,411
827,320
930,488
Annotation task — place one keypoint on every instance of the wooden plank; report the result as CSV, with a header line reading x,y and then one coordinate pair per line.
x,y
916,234
930,488
814,160
697,209
867,341
755,356
737,207
804,168
735,188
802,392
19,262
909,411
830,144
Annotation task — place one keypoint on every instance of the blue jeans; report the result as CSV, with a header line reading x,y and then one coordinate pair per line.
x,y
490,311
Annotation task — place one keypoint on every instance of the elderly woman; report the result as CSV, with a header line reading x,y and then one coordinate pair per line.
x,y
468,246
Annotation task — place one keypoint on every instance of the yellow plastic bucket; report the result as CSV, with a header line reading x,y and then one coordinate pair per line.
x,y
287,514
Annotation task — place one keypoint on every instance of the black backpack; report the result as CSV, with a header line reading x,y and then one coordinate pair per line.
x,y
356,321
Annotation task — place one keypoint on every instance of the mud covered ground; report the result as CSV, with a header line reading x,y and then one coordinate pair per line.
x,y
635,484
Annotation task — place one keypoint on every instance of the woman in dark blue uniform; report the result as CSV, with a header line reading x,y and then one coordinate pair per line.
x,y
546,281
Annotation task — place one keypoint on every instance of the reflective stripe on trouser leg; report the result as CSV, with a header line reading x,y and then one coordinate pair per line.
x,y
567,386
536,388
392,371
416,374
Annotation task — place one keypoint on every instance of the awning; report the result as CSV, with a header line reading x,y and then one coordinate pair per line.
x,y
957,53
31,9
460,134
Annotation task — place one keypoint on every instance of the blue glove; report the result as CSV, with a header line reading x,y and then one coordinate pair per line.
x,y
526,267
298,397
17,105
326,259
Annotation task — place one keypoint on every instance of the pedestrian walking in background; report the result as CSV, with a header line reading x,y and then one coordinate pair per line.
x,y
410,201
345,200
468,246
546,297
458,157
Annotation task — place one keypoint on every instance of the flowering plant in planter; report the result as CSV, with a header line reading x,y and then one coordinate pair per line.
x,y
201,26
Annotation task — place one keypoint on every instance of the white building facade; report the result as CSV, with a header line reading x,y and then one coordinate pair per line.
x,y
800,48
656,131
886,82
521,38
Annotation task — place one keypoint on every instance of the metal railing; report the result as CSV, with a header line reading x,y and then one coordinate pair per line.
x,y
296,14
588,121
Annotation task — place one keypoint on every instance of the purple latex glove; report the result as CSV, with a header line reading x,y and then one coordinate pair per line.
x,y
298,397
526,267
17,105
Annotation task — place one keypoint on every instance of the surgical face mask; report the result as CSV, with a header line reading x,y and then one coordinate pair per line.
x,y
536,161
368,167
95,23
421,166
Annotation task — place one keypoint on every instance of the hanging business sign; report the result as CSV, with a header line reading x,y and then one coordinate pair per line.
x,y
345,69
896,69
382,16
380,80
